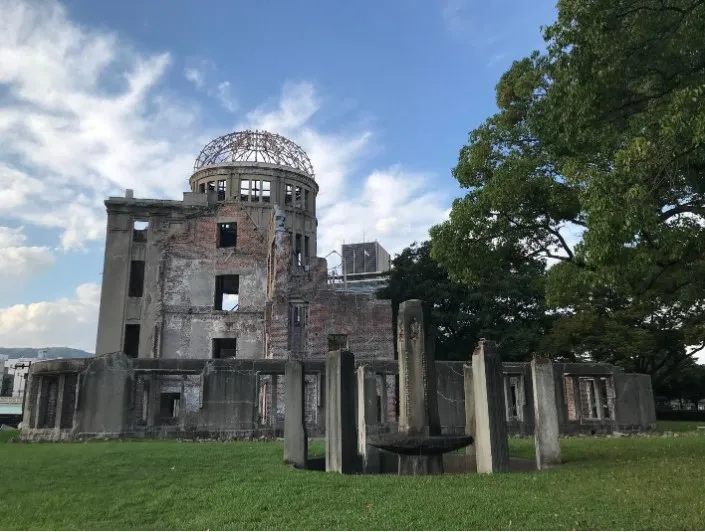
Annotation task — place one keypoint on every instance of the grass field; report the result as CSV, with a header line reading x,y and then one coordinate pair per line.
x,y
606,483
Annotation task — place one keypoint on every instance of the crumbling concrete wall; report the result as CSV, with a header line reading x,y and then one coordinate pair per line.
x,y
192,260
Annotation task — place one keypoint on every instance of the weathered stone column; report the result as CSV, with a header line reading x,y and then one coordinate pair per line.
x,y
491,439
383,413
341,440
469,407
546,432
274,401
60,401
418,406
295,437
367,418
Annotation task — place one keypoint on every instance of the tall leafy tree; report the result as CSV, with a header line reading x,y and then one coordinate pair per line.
x,y
507,308
603,133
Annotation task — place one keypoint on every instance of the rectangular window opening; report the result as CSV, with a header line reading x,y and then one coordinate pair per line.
x,y
221,190
337,341
224,348
169,406
132,340
606,412
298,199
513,400
266,191
139,230
244,190
306,204
211,185
202,188
227,292
227,235
136,286
569,394
288,195
256,191
307,251
297,250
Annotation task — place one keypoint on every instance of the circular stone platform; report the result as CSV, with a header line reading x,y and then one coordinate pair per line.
x,y
419,445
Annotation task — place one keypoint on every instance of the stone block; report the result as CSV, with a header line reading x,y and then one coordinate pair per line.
x,y
546,429
341,439
418,397
367,422
295,436
491,439
469,407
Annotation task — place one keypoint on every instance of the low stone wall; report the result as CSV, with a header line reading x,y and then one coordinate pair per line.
x,y
117,396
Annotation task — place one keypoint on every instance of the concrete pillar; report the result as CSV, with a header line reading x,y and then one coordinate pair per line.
x,y
274,401
383,407
341,440
418,406
40,404
295,437
491,439
61,385
548,448
469,407
367,422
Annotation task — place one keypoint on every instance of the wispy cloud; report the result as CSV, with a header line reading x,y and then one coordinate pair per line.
x,y
65,322
19,260
200,72
195,76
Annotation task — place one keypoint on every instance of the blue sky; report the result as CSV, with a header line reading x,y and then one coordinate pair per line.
x,y
96,97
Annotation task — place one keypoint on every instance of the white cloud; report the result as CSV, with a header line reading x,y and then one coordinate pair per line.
x,y
394,205
18,260
223,95
83,122
199,75
195,76
65,322
91,117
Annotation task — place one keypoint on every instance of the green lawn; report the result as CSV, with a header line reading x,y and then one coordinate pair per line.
x,y
606,483
679,426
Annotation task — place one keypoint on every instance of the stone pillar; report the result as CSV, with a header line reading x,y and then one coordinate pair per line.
x,y
383,407
418,407
469,407
274,401
295,437
491,439
367,419
546,432
40,404
61,385
341,440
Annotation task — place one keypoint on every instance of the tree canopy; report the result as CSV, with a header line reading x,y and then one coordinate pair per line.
x,y
594,165
504,307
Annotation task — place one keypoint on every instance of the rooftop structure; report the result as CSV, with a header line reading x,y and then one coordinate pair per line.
x,y
254,147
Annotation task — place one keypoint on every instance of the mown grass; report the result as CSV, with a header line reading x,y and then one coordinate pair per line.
x,y
606,483
679,426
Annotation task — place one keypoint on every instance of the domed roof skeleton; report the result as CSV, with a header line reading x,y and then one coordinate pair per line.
x,y
254,146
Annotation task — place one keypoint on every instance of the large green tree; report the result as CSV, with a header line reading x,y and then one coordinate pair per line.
x,y
506,307
604,134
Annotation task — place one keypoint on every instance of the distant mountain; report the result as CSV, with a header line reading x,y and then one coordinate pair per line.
x,y
51,352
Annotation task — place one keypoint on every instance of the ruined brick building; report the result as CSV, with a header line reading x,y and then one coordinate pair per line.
x,y
231,271
203,301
